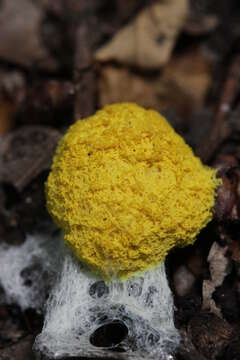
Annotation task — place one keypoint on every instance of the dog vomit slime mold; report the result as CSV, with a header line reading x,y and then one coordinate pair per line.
x,y
125,189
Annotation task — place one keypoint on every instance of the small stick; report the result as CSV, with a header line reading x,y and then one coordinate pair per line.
x,y
220,128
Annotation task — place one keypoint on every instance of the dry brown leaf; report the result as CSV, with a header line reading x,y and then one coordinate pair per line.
x,y
182,85
119,85
218,264
148,40
185,82
25,153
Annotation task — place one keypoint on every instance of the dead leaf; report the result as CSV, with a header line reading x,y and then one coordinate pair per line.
x,y
218,264
119,85
25,153
148,40
181,86
20,35
185,82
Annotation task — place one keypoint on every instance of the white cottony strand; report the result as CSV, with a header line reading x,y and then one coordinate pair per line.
x,y
28,271
81,303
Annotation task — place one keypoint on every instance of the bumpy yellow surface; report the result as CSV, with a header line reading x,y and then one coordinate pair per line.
x,y
125,189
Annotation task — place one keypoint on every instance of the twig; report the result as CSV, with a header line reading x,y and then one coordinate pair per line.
x,y
221,129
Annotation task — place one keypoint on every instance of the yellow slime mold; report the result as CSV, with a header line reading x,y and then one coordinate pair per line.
x,y
125,189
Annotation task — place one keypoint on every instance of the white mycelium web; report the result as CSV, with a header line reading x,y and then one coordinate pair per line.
x,y
81,304
28,271
138,313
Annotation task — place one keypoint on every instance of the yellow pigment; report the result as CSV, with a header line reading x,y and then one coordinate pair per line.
x,y
125,189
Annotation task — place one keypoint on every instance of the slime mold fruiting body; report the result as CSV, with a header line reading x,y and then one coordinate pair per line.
x,y
125,189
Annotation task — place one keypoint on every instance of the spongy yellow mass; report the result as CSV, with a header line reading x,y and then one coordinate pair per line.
x,y
125,189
